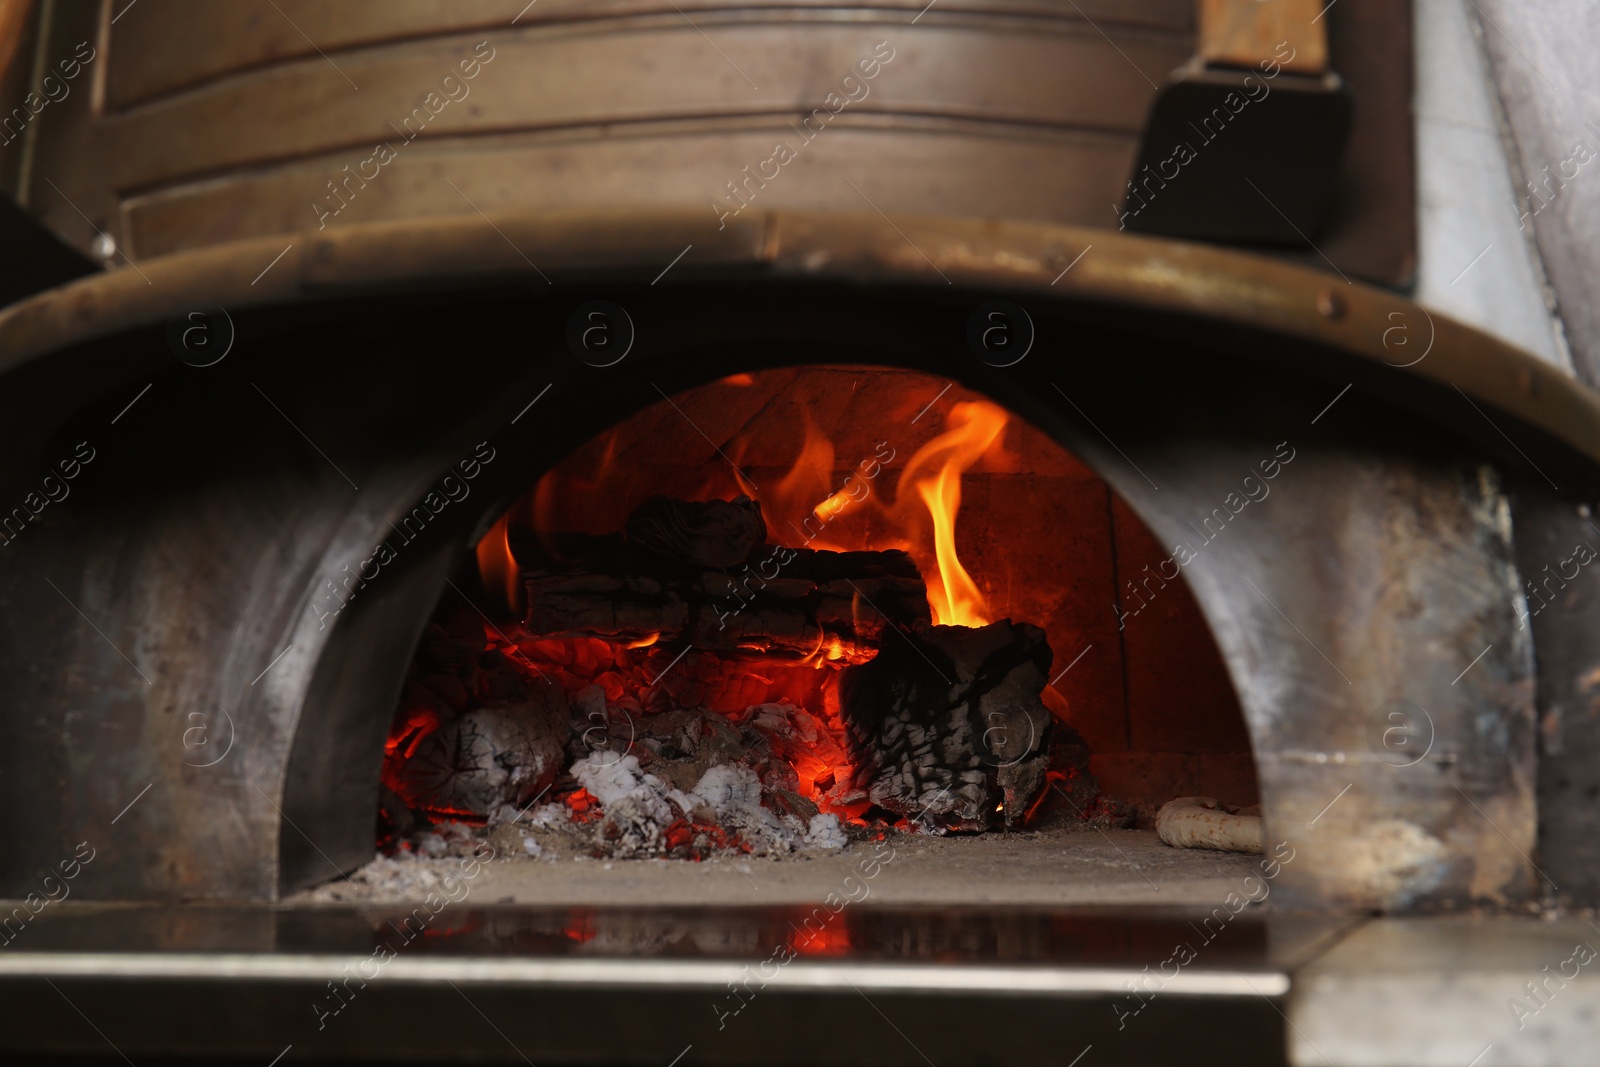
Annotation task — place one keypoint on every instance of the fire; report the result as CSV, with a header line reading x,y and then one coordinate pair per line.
x,y
832,506
800,505
819,489
567,502
805,503
812,470
934,475
830,652
555,500
498,566
825,500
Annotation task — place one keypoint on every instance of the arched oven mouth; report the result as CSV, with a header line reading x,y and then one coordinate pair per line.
x,y
338,413
791,612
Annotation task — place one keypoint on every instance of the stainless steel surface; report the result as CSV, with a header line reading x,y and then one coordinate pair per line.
x,y
595,985
643,974
1556,540
1450,991
1405,579
1465,181
1422,743
1546,81
1228,290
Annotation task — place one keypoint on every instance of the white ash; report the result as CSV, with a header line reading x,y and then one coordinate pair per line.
x,y
639,807
728,778
612,781
445,839
732,792
547,816
404,875
825,832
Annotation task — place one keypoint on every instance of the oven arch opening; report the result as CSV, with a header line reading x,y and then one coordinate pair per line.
x,y
1173,426
1046,540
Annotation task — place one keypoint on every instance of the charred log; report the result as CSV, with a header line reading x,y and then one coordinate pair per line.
x,y
713,533
947,727
790,602
489,757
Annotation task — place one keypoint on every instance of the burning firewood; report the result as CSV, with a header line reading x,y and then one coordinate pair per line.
x,y
670,687
715,533
489,757
789,602
947,724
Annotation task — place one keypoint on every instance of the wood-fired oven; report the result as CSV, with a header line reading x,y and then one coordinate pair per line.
x,y
425,493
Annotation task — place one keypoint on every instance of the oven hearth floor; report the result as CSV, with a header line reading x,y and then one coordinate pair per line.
x,y
1045,867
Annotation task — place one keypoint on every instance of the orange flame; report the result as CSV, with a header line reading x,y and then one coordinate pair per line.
x,y
560,503
498,566
814,504
566,501
831,507
807,481
934,472
794,515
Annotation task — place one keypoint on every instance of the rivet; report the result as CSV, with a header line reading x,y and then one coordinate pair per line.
x,y
1330,304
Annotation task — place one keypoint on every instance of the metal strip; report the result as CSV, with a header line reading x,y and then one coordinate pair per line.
x,y
707,974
